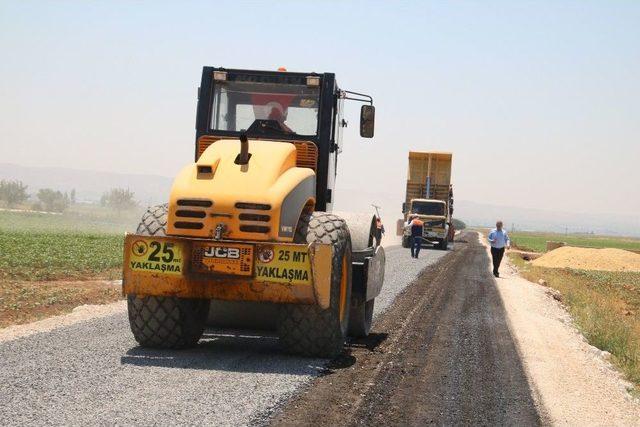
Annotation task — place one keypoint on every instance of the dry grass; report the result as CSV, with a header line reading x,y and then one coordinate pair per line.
x,y
22,302
605,307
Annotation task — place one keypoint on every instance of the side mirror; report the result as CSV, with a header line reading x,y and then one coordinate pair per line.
x,y
404,208
367,120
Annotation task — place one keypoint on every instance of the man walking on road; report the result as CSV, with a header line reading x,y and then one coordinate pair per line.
x,y
416,236
499,241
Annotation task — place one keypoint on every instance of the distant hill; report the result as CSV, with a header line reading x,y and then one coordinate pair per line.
x,y
474,213
89,185
483,214
152,189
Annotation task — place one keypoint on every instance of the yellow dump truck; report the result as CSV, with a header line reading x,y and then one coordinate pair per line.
x,y
249,229
429,196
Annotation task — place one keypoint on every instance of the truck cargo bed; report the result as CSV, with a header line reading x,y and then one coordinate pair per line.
x,y
433,165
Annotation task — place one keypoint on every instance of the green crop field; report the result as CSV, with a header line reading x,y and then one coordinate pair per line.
x,y
28,255
74,245
536,241
42,254
91,219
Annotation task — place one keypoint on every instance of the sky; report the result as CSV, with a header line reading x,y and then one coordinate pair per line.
x,y
538,101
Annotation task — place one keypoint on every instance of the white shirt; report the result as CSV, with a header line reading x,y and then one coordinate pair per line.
x,y
499,239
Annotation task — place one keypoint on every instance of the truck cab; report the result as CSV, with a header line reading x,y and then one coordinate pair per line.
x,y
434,214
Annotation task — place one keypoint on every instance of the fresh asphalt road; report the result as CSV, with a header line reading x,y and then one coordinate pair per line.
x,y
95,373
448,358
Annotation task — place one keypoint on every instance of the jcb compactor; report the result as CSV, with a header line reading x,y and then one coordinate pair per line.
x,y
249,223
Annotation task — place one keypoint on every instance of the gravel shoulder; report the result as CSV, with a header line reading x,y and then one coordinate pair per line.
x,y
78,314
574,383
85,368
24,302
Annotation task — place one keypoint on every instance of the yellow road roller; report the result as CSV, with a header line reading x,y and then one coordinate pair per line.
x,y
249,224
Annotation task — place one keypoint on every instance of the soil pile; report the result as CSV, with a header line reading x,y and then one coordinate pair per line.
x,y
607,259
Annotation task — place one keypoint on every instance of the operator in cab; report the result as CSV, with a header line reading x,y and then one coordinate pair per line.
x,y
278,113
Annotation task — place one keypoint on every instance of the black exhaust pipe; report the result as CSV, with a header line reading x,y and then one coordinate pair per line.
x,y
244,156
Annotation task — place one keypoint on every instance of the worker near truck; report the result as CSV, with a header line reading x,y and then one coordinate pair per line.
x,y
416,235
499,240
379,230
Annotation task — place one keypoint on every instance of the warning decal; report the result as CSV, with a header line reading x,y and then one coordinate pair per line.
x,y
155,256
283,264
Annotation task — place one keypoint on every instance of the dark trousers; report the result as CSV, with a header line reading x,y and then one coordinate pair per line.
x,y
378,237
496,255
416,244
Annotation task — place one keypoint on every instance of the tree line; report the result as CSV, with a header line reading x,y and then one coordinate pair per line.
x,y
13,193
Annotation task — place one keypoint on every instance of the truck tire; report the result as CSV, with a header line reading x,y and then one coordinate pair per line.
x,y
164,322
309,330
406,242
443,244
360,319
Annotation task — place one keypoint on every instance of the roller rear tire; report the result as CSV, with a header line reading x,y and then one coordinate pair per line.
x,y
164,322
309,330
167,322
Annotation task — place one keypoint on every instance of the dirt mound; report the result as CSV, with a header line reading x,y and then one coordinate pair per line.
x,y
607,259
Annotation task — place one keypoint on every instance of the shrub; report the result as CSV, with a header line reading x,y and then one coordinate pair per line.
x,y
53,201
119,198
458,224
13,192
